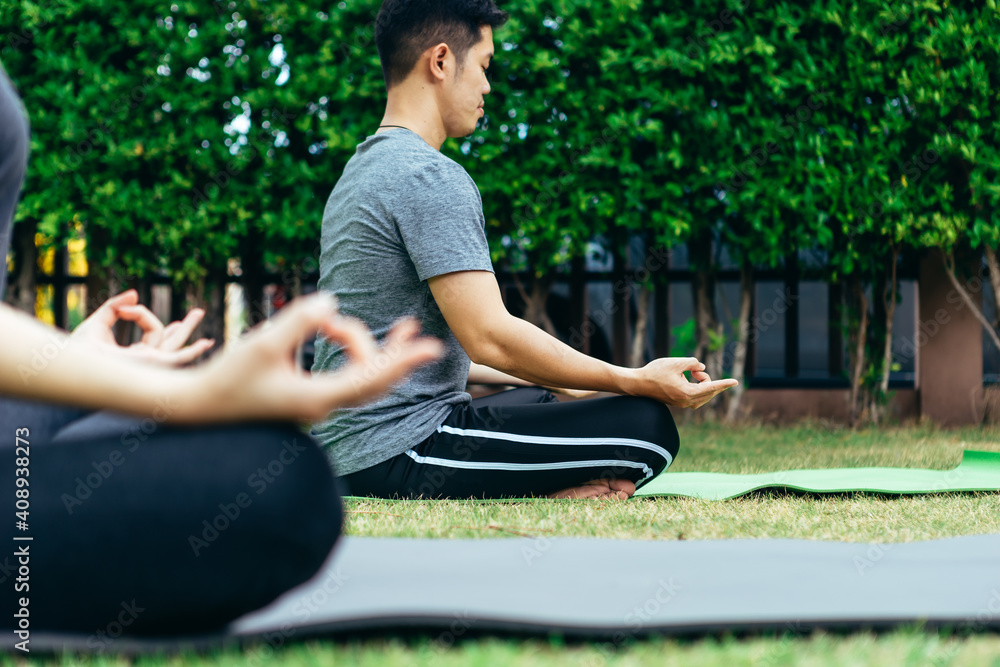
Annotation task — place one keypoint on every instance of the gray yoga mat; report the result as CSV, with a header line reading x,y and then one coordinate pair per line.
x,y
612,590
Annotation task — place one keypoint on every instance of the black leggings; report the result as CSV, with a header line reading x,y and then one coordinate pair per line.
x,y
523,442
164,530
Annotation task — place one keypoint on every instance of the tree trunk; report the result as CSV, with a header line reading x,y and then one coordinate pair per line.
x,y
858,339
889,309
707,326
637,356
994,266
875,351
21,290
734,397
535,303
949,266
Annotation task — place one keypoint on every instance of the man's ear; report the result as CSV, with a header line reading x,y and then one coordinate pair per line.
x,y
439,56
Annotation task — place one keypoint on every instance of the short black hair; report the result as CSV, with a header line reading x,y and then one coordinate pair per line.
x,y
404,29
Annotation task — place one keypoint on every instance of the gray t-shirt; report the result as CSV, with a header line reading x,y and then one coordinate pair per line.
x,y
13,162
402,212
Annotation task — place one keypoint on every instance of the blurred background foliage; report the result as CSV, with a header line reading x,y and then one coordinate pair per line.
x,y
201,139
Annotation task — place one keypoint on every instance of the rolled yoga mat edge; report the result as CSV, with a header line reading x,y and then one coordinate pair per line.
x,y
978,471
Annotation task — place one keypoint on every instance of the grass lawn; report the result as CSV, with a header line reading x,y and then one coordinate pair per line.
x,y
743,449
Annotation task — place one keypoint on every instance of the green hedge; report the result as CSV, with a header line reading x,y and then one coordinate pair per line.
x,y
863,128
807,114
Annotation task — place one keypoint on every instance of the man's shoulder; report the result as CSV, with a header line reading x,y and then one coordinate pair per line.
x,y
411,156
419,164
390,174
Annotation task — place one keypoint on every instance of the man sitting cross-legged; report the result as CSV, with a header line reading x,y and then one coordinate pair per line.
x,y
404,234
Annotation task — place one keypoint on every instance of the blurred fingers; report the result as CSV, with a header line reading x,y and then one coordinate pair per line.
x,y
301,318
187,354
145,319
126,298
176,334
354,336
390,366
107,313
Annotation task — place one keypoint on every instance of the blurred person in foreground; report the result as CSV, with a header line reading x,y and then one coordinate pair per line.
x,y
213,504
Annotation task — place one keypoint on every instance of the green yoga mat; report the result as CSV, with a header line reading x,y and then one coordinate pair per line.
x,y
979,471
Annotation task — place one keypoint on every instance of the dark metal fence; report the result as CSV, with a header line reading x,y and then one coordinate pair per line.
x,y
594,311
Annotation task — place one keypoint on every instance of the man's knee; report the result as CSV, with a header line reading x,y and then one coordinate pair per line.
x,y
536,395
652,417
652,421
548,397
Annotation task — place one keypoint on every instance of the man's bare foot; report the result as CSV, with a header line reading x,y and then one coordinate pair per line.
x,y
615,489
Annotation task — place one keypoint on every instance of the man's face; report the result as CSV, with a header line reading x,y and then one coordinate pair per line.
x,y
466,93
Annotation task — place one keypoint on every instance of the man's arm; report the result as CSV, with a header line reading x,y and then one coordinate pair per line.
x,y
479,374
471,304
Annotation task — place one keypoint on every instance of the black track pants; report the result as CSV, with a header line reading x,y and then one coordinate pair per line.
x,y
523,442
163,531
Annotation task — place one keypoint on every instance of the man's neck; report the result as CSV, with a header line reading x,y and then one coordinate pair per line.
x,y
433,138
426,122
